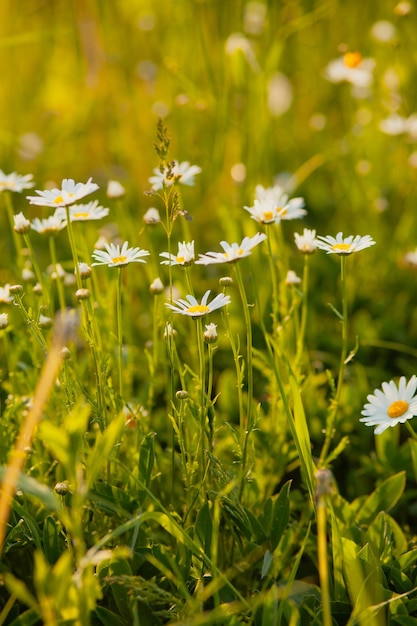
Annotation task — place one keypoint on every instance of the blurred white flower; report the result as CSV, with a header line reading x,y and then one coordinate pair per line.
x,y
210,334
152,216
83,212
272,205
69,193
351,68
49,225
306,243
114,256
15,182
5,295
292,278
383,31
232,252
21,223
184,257
183,173
4,321
115,189
280,94
156,287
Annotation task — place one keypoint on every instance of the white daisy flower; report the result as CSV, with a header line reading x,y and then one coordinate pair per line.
x,y
4,320
306,242
263,211
83,212
152,217
292,278
393,405
49,225
343,245
183,173
190,306
115,189
15,182
21,223
69,193
210,334
232,252
5,295
274,193
114,256
351,68
184,257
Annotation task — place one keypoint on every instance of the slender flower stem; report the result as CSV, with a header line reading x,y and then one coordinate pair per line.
x,y
245,432
274,280
119,329
30,322
35,264
203,410
73,247
336,402
210,349
304,311
322,555
411,430
16,239
61,295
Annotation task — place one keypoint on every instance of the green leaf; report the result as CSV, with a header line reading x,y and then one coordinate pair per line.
x,y
28,618
51,539
146,462
280,515
107,618
103,448
19,589
384,498
204,528
114,567
31,487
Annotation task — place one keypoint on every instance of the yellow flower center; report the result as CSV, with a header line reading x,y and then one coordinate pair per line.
x,y
281,211
352,59
180,259
198,308
119,259
268,215
58,200
239,252
397,408
343,247
81,215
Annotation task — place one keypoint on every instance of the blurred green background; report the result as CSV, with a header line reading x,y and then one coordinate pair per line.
x,y
242,89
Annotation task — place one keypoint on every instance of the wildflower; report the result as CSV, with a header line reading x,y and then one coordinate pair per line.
x,y
232,252
82,294
272,205
190,306
49,225
351,68
15,182
115,189
5,295
183,173
83,212
44,321
169,331
27,274
306,242
292,278
392,405
343,245
21,224
182,394
85,270
156,287
152,217
69,193
114,256
210,334
4,321
184,257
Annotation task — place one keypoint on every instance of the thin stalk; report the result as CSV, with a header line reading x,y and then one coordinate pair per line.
x,y
274,280
249,375
119,329
73,247
30,322
16,239
203,411
35,264
336,402
210,350
60,287
323,489
304,310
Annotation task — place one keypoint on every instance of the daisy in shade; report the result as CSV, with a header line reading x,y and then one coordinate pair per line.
x,y
49,225
15,182
393,405
191,307
184,257
69,193
183,173
232,252
343,245
83,212
114,256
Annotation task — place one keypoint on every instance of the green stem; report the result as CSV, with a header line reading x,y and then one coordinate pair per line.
x,y
31,323
52,251
203,411
304,311
38,273
249,375
73,247
336,402
274,280
323,564
16,239
119,329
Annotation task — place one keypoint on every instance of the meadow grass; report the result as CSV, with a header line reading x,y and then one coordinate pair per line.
x,y
187,352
